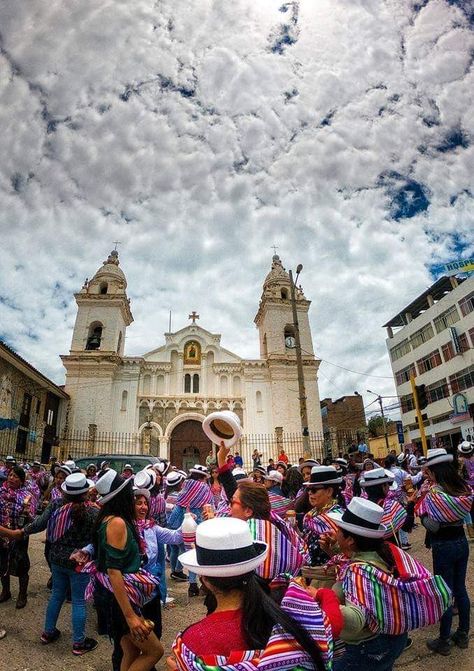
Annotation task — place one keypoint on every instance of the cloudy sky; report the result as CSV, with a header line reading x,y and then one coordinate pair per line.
x,y
200,133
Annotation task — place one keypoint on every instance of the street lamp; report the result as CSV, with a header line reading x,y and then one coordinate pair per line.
x,y
299,365
379,399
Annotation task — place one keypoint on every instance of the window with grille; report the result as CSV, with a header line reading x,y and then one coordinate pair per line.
x,y
464,379
471,336
429,361
406,403
466,304
437,391
446,319
404,375
400,350
422,335
448,351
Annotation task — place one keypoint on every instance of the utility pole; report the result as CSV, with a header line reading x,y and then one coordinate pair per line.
x,y
419,418
379,399
299,367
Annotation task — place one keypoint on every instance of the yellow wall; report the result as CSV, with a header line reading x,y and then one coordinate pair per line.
x,y
379,449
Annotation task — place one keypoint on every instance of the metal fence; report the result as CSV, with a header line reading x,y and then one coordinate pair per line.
x,y
76,444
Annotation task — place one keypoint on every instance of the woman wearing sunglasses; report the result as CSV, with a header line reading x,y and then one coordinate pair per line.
x,y
323,494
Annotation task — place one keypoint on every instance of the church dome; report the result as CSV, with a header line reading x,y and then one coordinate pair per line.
x,y
277,274
110,270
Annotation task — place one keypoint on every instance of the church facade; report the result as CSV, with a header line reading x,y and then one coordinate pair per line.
x,y
169,390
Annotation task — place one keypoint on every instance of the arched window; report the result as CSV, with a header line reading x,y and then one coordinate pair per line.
x,y
187,383
146,385
224,385
123,407
284,293
103,288
237,386
195,383
258,401
289,336
94,336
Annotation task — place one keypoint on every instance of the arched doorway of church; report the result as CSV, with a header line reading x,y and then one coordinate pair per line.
x,y
189,445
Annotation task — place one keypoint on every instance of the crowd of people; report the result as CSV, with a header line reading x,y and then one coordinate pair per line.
x,y
303,566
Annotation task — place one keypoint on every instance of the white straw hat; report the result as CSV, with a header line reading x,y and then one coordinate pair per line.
x,y
465,447
223,425
362,518
75,484
145,479
224,548
175,477
377,476
200,470
324,475
437,455
109,485
275,476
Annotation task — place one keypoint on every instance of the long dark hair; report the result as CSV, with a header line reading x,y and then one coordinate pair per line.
x,y
79,508
375,493
292,482
121,505
261,614
449,479
378,545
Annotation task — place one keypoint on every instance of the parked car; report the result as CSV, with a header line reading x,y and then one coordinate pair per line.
x,y
117,461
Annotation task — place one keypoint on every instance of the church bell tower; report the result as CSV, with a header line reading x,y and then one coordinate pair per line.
x,y
97,347
274,321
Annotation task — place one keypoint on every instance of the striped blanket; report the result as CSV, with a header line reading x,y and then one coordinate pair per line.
x,y
282,652
394,605
443,507
139,586
320,523
279,504
195,494
394,516
59,522
286,551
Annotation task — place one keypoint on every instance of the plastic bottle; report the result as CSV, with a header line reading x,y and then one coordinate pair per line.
x,y
188,529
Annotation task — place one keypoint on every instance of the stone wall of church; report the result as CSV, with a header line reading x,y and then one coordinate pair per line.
x,y
111,319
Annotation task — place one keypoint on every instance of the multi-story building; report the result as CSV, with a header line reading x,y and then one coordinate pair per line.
x,y
32,408
433,339
343,422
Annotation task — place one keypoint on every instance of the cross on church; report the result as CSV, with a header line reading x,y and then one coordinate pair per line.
x,y
193,316
116,242
274,247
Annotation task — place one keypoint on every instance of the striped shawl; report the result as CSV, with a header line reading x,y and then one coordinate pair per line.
x,y
443,507
282,652
139,586
194,494
394,516
286,550
394,605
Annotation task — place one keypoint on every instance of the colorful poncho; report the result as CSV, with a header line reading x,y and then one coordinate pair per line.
x,y
394,516
139,586
11,505
286,550
194,494
282,652
393,605
443,507
157,507
279,504
55,494
319,523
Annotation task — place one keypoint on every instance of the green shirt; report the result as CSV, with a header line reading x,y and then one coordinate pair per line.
x,y
355,630
126,560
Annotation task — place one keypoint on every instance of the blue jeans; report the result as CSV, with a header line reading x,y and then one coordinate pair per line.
x,y
376,654
450,562
62,579
175,551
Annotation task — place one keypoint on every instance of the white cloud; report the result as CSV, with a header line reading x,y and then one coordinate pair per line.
x,y
200,133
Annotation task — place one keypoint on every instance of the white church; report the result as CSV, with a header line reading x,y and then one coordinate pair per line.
x,y
169,390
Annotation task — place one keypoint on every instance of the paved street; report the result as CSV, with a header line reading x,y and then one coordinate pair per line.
x,y
22,651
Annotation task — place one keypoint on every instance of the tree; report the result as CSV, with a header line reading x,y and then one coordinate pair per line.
x,y
376,428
